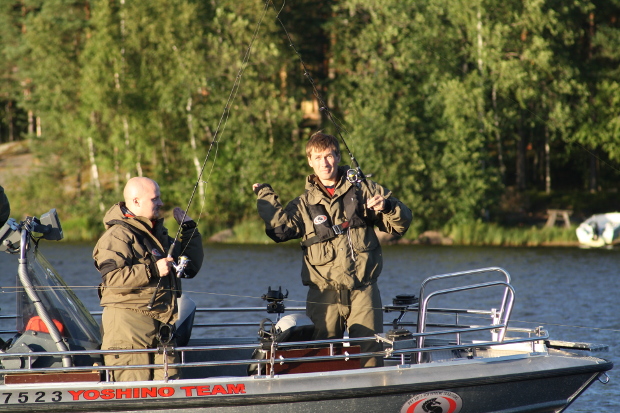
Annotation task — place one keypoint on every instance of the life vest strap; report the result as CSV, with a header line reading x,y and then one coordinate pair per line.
x,y
337,229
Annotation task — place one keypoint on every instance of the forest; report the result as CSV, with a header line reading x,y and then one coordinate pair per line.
x,y
469,111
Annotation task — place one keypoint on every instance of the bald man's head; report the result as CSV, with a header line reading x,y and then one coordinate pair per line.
x,y
142,197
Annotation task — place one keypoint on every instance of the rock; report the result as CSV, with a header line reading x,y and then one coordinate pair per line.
x,y
434,238
385,238
222,235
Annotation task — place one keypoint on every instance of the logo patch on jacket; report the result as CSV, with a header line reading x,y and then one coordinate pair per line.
x,y
156,252
319,219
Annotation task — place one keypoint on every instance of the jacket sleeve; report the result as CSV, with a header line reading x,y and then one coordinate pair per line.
x,y
281,224
5,208
191,246
395,218
114,258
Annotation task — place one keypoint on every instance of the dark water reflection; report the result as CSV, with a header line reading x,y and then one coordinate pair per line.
x,y
571,292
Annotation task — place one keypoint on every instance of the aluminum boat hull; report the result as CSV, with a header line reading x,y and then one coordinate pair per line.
x,y
528,383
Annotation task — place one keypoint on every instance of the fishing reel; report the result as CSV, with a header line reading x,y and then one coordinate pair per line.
x,y
274,300
403,303
180,271
355,177
180,267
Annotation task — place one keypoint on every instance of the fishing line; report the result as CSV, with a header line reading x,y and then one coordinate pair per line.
x,y
538,323
325,108
323,105
221,127
614,330
300,302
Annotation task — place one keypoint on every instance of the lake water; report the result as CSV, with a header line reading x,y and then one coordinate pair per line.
x,y
570,291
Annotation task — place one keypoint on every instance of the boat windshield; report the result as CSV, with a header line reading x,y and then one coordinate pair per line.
x,y
64,308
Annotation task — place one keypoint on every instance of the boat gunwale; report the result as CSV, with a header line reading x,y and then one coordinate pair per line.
x,y
543,335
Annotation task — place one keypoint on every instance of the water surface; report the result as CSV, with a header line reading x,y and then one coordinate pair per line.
x,y
572,292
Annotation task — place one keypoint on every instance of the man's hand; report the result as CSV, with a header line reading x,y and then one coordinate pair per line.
x,y
376,203
178,215
257,187
164,265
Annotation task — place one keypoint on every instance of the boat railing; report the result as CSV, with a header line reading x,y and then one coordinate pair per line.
x,y
401,350
261,310
481,271
500,318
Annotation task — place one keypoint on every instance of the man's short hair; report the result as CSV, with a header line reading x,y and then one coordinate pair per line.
x,y
320,141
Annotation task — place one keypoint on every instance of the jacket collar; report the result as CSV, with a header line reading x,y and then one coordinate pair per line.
x,y
316,189
117,212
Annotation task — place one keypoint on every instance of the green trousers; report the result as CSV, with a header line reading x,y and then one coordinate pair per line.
x,y
126,329
360,312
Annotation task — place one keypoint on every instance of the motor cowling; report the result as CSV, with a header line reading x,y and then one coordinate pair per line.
x,y
294,327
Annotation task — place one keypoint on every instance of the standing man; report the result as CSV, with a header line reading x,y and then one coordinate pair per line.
x,y
132,259
342,256
5,207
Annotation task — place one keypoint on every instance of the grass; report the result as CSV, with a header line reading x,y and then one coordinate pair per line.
x,y
81,229
479,233
472,234
249,232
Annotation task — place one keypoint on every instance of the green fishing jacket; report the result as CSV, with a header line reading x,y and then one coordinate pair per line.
x,y
126,256
5,207
350,260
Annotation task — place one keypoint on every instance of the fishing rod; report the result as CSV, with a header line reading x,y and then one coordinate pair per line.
x,y
221,126
355,176
219,130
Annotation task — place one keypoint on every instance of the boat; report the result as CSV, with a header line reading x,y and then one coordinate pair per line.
x,y
435,358
599,230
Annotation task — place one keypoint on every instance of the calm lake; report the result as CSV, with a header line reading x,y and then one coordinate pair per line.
x,y
571,292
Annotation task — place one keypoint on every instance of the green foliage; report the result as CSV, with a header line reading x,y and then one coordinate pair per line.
x,y
479,233
249,232
81,228
448,103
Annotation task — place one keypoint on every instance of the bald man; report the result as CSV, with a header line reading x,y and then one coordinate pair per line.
x,y
132,257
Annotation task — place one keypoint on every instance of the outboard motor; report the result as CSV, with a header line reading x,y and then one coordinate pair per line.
x,y
293,327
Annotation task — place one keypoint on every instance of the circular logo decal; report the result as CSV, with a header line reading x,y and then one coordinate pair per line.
x,y
319,219
434,402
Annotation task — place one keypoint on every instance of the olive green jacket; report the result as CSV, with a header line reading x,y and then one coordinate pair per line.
x,y
126,256
5,207
352,260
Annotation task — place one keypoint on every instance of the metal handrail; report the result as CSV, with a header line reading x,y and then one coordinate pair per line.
x,y
507,304
543,336
460,274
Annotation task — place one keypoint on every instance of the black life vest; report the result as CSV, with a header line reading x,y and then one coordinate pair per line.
x,y
323,226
